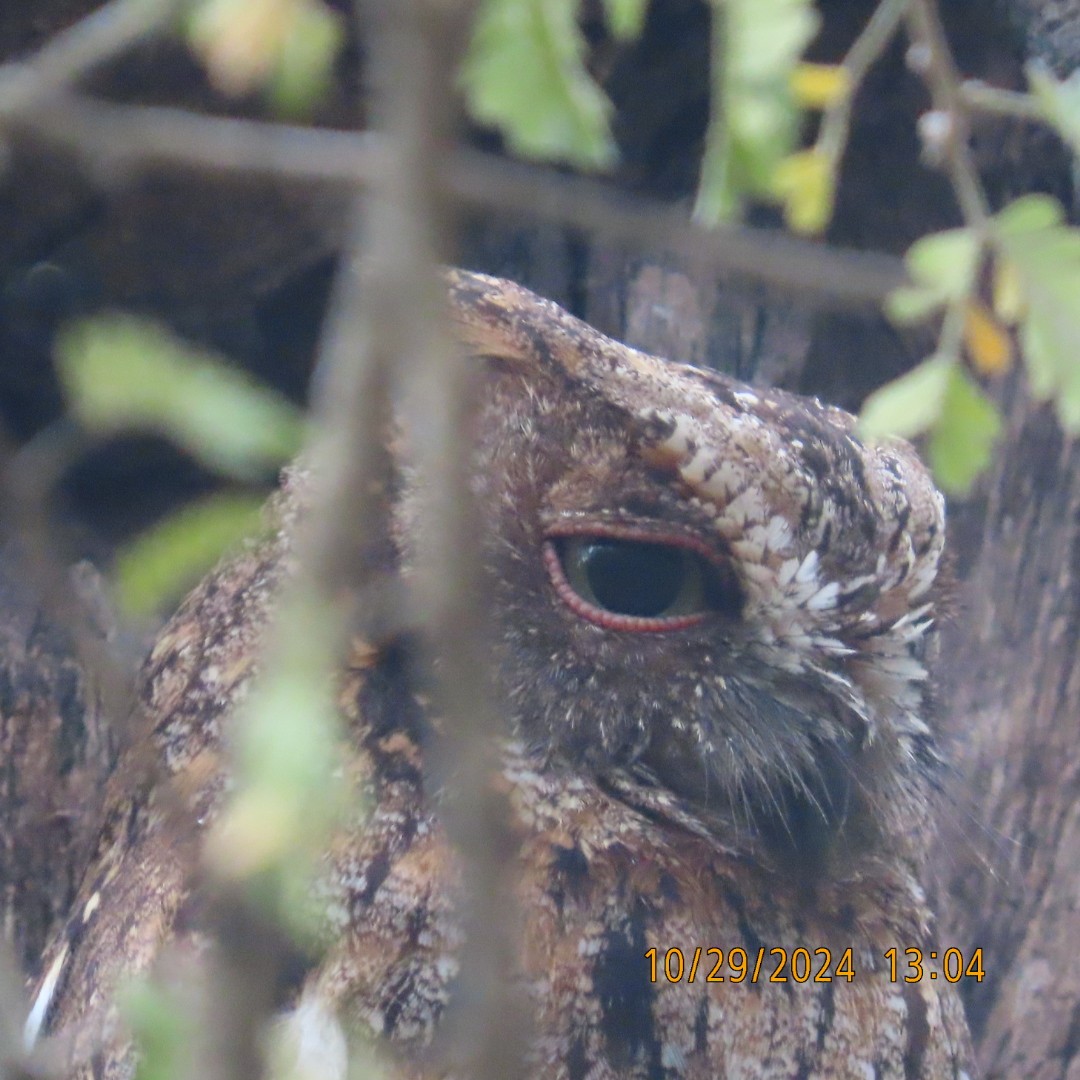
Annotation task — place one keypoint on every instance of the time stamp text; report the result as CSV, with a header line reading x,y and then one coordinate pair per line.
x,y
781,965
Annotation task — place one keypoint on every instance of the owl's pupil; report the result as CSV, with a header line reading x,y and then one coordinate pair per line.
x,y
649,585
634,578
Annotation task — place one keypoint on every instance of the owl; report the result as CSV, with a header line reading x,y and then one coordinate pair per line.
x,y
711,624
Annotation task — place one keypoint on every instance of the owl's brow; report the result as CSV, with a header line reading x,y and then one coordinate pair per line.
x,y
498,319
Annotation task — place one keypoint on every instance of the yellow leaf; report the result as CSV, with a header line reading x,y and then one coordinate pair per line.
x,y
805,183
817,86
988,344
239,40
1009,303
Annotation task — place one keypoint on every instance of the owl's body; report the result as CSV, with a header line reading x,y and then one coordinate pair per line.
x,y
711,609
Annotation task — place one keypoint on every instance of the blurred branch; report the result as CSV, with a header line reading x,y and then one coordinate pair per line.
x,y
387,330
312,623
37,97
995,101
28,479
415,45
103,35
125,138
131,138
833,276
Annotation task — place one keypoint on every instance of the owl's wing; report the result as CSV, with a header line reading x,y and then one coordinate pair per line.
x,y
163,791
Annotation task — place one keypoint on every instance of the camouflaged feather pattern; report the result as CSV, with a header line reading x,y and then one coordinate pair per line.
x,y
763,780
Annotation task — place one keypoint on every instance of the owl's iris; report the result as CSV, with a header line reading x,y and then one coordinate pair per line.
x,y
638,579
636,585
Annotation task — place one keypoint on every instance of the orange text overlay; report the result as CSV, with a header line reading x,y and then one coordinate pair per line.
x,y
805,965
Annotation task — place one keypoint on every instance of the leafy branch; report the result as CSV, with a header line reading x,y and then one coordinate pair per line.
x,y
806,181
760,83
1032,258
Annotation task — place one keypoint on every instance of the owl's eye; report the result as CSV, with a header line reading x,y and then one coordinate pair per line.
x,y
636,584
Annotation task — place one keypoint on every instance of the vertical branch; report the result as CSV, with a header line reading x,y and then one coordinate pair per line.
x,y
414,47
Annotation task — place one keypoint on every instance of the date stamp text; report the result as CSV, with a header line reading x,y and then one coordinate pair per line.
x,y
804,965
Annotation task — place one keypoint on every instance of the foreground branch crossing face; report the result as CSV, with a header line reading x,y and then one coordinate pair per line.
x,y
710,620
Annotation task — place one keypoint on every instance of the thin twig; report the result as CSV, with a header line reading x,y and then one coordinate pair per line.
x,y
997,102
943,81
28,480
37,96
945,84
866,50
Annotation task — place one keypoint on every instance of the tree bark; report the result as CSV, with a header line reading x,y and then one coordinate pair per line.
x,y
1011,857
56,754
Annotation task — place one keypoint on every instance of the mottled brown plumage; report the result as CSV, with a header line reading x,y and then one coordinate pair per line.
x,y
734,756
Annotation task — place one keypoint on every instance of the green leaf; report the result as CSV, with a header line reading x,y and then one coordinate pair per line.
x,y
276,743
1060,101
290,787
806,183
910,405
912,304
122,374
305,65
1068,407
1041,356
756,45
525,74
164,1030
625,18
963,438
945,262
1047,264
1029,213
163,562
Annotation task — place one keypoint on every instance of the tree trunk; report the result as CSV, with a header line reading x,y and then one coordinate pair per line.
x,y
1011,705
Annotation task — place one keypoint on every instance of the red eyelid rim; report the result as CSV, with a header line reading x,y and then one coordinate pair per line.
x,y
606,619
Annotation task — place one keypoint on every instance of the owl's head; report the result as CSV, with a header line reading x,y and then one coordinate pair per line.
x,y
701,588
